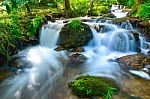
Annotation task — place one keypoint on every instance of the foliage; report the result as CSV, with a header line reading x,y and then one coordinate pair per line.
x,y
107,2
14,30
76,23
89,86
36,22
131,3
100,10
144,11
123,2
79,7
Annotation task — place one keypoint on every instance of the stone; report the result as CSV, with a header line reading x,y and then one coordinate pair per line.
x,y
134,62
109,15
74,35
77,57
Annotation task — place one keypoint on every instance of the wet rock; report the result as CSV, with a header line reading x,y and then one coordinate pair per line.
x,y
74,35
91,86
19,62
49,17
134,21
79,58
101,20
98,27
134,62
109,15
4,75
78,49
119,20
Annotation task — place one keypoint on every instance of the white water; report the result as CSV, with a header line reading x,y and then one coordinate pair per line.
x,y
37,82
118,12
49,34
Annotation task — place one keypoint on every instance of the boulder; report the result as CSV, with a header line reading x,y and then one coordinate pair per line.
x,y
134,62
74,34
91,86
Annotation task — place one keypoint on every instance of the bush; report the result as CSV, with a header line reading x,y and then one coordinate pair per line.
x,y
144,11
79,7
131,3
100,10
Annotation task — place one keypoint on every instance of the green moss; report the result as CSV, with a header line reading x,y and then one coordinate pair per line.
x,y
74,35
118,20
76,23
89,86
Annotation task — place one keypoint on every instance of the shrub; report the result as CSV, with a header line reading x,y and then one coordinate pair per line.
x,y
100,10
144,11
79,7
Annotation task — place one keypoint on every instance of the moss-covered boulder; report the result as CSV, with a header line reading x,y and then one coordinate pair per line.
x,y
91,86
74,34
135,61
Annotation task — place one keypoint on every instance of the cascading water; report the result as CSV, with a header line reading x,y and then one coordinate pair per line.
x,y
50,34
46,70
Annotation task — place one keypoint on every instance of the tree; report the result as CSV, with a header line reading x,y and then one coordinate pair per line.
x,y
91,7
67,4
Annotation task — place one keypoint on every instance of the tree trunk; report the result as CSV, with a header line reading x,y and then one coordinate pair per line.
x,y
91,7
67,4
28,9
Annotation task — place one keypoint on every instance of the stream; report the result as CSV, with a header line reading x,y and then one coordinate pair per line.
x,y
50,71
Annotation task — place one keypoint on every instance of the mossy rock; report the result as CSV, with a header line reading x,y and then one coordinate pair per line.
x,y
109,15
74,35
120,20
91,86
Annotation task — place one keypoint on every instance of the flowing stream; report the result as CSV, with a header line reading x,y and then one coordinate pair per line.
x,y
50,71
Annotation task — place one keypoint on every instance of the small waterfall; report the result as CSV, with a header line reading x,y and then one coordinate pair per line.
x,y
49,34
121,40
126,25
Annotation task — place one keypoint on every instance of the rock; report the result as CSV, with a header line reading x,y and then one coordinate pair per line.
x,y
79,58
91,86
109,15
49,17
134,21
78,49
101,20
19,62
119,20
134,62
4,75
98,27
74,34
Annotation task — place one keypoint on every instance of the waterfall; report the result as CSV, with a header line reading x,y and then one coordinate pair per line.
x,y
49,34
46,67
